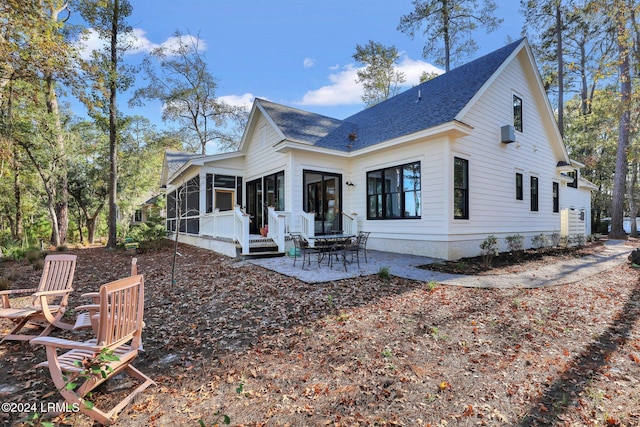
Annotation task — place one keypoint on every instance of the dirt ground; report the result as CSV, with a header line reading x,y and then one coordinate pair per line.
x,y
232,339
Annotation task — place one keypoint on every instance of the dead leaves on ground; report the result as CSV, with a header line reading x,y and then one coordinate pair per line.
x,y
231,338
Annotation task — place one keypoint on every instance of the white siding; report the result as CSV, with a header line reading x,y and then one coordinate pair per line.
x,y
430,154
493,164
261,159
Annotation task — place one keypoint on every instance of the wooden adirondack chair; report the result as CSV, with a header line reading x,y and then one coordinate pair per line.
x,y
89,318
49,301
119,330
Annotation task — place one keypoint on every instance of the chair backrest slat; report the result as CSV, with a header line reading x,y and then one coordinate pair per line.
x,y
121,311
57,273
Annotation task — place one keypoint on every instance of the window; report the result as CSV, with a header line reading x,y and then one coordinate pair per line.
x,y
183,207
274,191
573,174
534,194
556,197
137,216
519,187
224,181
224,200
517,113
209,193
214,183
460,188
394,193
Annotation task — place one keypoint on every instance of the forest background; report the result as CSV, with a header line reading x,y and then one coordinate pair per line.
x,y
76,172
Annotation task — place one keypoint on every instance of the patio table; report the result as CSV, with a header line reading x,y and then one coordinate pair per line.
x,y
330,244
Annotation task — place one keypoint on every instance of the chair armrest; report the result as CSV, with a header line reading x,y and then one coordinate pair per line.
x,y
90,295
63,343
52,293
4,295
94,296
88,307
18,291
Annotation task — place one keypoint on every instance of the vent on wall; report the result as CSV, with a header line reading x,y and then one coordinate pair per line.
x,y
507,134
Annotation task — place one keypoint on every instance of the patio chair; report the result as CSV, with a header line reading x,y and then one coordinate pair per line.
x,y
88,319
49,301
92,362
364,236
350,248
302,247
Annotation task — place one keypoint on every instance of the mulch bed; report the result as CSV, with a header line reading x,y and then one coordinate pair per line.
x,y
229,338
516,262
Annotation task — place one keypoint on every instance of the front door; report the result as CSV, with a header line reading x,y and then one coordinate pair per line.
x,y
262,193
254,205
323,196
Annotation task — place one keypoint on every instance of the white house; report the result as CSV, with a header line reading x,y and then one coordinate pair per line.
x,y
432,171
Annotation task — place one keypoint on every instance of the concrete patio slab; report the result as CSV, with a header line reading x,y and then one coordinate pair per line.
x,y
399,265
407,266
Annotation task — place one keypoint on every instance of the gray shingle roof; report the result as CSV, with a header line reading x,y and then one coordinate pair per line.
x,y
441,99
175,160
298,125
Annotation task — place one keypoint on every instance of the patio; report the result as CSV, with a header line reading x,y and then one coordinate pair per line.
x,y
400,265
406,266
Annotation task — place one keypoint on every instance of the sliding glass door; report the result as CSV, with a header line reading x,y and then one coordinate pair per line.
x,y
323,197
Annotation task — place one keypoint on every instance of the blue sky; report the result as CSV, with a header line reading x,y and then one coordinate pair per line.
x,y
294,52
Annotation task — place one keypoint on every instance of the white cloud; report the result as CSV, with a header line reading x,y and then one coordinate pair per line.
x,y
413,69
245,100
89,42
343,89
308,62
139,42
173,43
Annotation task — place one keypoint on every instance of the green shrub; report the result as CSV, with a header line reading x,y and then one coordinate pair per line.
x,y
489,249
580,239
38,264
515,242
13,251
540,241
383,274
34,255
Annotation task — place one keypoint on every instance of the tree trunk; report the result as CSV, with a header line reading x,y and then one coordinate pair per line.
x,y
585,105
633,209
113,143
60,182
91,224
620,176
447,40
79,218
91,229
16,230
559,54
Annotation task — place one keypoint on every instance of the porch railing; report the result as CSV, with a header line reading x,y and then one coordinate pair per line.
x,y
308,224
350,223
218,224
278,226
232,225
241,228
